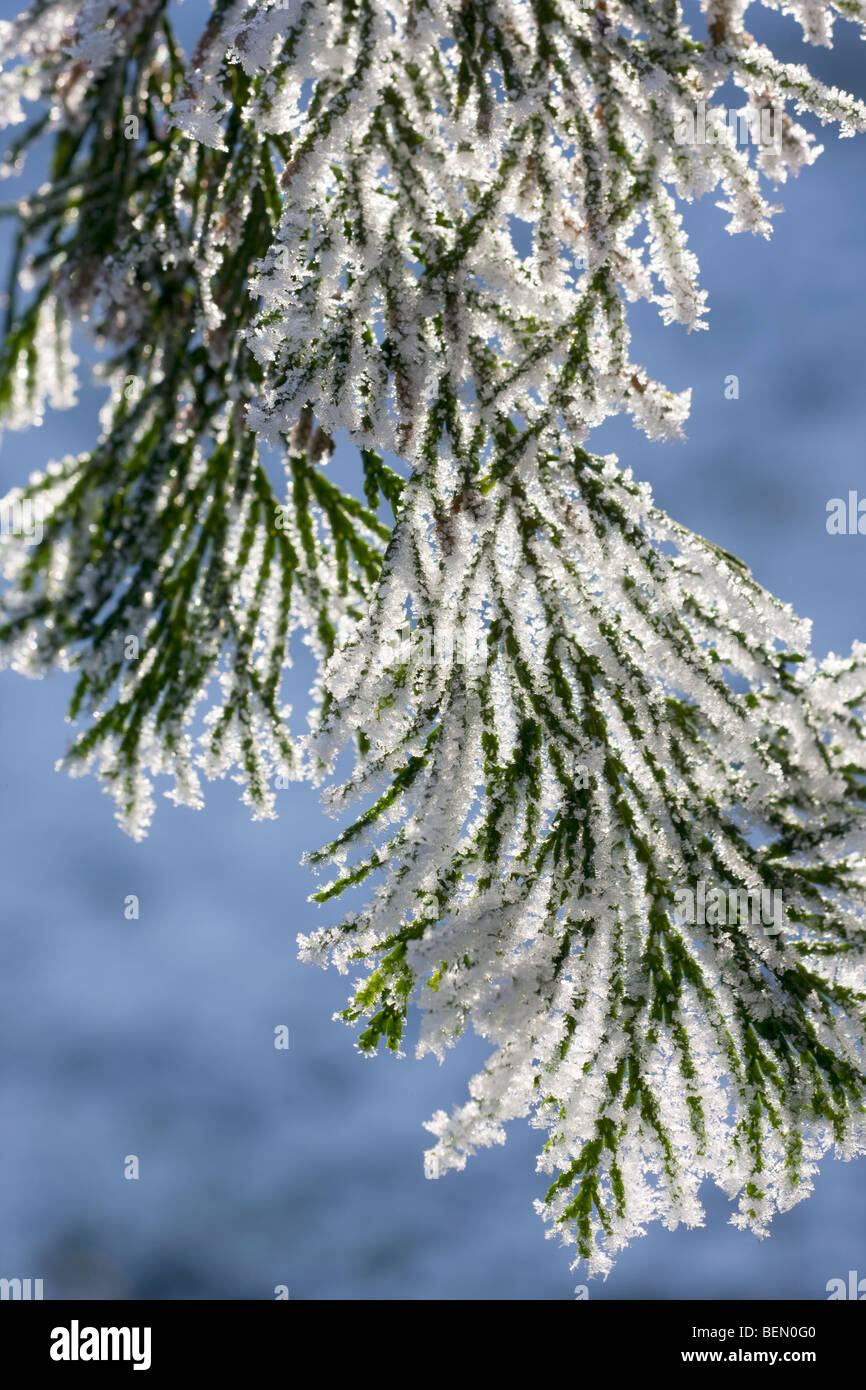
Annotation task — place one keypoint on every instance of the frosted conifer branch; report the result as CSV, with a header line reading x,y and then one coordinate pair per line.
x,y
172,567
567,755
588,743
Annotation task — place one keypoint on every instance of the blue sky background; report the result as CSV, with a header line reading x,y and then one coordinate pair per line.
x,y
155,1037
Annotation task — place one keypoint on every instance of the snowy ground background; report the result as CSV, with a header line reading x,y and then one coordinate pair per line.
x,y
155,1037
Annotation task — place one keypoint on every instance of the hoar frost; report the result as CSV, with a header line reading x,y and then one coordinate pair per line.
x,y
419,227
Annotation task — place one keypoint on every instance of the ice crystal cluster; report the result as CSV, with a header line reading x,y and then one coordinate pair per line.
x,y
417,227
